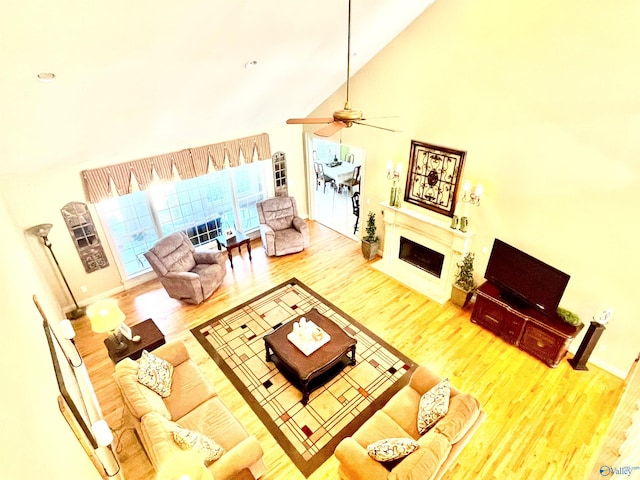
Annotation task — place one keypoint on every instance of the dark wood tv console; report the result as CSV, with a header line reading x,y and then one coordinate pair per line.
x,y
545,337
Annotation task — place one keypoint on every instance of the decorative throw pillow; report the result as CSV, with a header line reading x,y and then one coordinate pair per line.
x,y
155,373
434,405
391,449
198,443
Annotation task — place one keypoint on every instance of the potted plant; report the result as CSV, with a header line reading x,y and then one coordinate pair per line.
x,y
370,241
569,317
463,285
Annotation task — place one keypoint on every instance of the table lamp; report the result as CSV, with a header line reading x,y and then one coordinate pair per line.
x,y
106,316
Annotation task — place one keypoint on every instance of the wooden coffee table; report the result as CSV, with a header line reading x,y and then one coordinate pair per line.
x,y
150,338
309,372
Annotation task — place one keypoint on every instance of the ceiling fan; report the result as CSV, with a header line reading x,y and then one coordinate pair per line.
x,y
345,117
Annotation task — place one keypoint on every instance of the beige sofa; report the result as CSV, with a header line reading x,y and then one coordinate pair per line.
x,y
193,404
439,446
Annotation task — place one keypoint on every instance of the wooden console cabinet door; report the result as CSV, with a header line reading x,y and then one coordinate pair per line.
x,y
487,314
498,317
513,328
544,344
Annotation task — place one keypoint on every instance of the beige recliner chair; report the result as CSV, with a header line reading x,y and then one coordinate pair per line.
x,y
186,274
281,229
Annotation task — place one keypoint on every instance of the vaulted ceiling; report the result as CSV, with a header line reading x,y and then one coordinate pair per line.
x,y
128,71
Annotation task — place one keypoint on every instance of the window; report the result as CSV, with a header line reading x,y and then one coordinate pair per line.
x,y
202,207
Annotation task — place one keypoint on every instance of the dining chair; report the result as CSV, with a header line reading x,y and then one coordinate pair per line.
x,y
355,203
321,177
352,182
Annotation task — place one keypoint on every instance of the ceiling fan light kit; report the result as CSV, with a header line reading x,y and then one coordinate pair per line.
x,y
341,118
347,115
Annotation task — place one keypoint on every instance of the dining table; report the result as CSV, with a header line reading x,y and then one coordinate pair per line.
x,y
340,172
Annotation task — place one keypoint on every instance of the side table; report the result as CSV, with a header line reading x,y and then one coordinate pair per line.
x,y
150,337
232,242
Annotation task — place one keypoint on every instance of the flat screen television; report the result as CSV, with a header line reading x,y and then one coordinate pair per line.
x,y
524,278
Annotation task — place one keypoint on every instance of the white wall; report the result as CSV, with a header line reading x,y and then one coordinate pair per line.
x,y
35,438
544,98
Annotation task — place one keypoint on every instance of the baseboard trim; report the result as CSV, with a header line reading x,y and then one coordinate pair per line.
x,y
598,362
134,282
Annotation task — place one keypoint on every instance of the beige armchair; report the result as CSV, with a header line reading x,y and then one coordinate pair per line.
x,y
186,274
281,229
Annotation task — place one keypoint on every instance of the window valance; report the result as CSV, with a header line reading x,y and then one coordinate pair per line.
x,y
127,177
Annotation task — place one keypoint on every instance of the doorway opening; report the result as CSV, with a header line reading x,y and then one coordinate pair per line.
x,y
330,191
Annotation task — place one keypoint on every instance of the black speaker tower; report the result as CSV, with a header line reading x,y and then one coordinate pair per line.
x,y
579,361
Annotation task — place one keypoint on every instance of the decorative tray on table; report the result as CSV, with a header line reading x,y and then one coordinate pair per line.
x,y
308,337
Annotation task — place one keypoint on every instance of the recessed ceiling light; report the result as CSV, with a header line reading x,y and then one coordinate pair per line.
x,y
250,64
46,76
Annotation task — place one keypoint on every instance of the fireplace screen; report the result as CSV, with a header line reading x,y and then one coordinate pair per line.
x,y
421,256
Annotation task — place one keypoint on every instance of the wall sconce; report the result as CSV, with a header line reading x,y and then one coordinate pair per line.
x,y
67,331
469,197
394,199
102,433
472,197
391,173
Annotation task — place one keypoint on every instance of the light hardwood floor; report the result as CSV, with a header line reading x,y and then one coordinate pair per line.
x,y
541,423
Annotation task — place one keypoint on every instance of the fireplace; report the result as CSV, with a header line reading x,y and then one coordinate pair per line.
x,y
420,256
421,251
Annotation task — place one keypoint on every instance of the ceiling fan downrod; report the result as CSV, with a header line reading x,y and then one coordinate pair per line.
x,y
347,105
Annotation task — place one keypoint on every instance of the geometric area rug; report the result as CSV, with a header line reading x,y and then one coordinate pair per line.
x,y
307,433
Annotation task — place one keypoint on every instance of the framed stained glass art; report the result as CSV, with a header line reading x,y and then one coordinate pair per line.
x,y
434,177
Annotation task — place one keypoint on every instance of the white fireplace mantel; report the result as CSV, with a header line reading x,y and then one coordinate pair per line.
x,y
430,232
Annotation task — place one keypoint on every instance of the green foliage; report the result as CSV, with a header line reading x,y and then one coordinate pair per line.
x,y
371,236
464,277
569,317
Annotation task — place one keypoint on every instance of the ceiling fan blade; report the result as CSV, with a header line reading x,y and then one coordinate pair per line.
x,y
330,129
376,126
375,118
305,121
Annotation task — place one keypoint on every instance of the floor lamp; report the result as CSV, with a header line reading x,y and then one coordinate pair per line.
x,y
42,231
